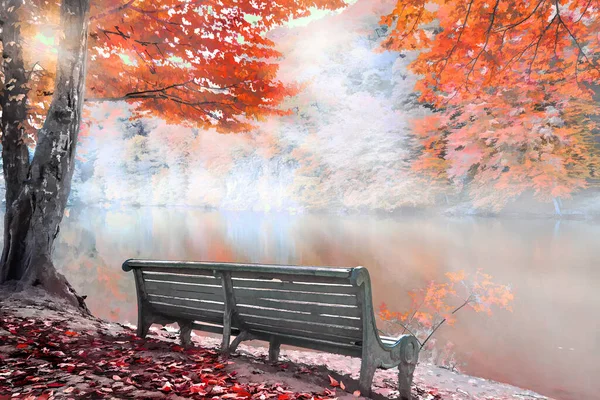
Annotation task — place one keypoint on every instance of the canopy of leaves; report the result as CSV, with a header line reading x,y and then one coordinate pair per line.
x,y
513,84
204,63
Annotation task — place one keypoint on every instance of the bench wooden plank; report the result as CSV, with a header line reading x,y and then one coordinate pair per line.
x,y
317,309
235,267
319,329
248,295
312,287
315,344
179,289
280,330
165,269
195,279
213,328
289,277
191,303
300,316
188,313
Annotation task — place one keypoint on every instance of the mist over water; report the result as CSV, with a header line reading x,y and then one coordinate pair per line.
x,y
345,146
549,343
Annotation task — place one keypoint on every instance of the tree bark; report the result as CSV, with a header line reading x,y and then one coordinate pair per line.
x,y
34,214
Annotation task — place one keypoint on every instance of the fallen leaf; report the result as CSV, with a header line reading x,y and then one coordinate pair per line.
x,y
333,382
167,387
356,393
342,385
198,388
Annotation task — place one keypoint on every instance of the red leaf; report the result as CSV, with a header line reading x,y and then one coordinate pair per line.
x,y
167,387
55,385
22,346
356,393
333,382
71,333
198,388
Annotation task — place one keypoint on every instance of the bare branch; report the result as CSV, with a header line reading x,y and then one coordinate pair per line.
x,y
112,11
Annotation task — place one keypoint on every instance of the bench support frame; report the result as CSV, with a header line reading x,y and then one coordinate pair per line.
x,y
403,354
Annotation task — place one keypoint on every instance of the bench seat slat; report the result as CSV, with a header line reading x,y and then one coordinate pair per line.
x,y
244,294
294,287
346,349
213,328
195,279
283,330
299,316
294,277
317,329
180,289
188,313
253,269
175,270
318,309
191,303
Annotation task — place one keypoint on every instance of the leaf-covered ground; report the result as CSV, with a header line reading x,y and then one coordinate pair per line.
x,y
48,350
40,359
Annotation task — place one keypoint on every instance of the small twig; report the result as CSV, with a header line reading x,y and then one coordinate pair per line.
x,y
467,301
407,330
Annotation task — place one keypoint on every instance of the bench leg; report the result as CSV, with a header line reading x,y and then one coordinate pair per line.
x,y
225,343
274,346
244,335
405,377
144,324
185,333
367,372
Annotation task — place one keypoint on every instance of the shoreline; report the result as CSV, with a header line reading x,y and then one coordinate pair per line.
x,y
298,372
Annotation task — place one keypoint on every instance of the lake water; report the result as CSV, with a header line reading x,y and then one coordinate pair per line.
x,y
549,343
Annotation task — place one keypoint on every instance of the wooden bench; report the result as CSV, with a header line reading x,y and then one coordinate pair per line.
x,y
326,309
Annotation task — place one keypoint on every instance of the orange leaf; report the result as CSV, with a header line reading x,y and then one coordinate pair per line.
x,y
333,382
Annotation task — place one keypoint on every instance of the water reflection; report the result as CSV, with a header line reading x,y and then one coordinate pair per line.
x,y
550,343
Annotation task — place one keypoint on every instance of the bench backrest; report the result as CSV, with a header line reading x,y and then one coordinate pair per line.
x,y
314,307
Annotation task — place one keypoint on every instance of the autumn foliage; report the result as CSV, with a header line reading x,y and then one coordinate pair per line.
x,y
438,303
512,85
199,63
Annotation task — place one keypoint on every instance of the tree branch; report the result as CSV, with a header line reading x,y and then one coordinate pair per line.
x,y
112,11
467,301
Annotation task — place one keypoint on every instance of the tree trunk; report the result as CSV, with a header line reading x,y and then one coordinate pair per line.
x,y
33,216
